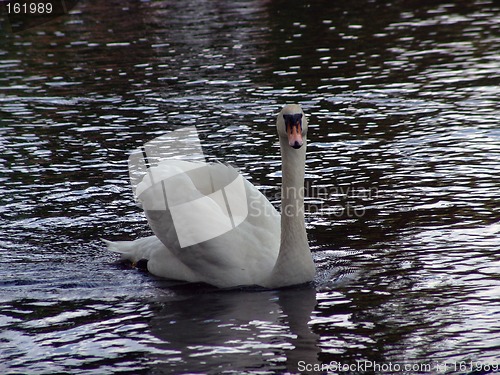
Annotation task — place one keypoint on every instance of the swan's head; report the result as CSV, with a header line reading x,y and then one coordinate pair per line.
x,y
292,125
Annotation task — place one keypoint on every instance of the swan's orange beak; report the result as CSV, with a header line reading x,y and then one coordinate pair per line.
x,y
294,130
295,137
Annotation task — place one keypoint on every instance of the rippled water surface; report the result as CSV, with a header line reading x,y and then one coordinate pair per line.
x,y
402,181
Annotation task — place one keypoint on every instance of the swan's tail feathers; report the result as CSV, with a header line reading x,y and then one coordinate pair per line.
x,y
130,250
123,248
112,246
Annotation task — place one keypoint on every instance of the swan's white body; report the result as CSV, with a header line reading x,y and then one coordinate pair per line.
x,y
263,249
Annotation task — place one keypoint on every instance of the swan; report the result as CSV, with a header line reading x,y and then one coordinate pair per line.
x,y
227,234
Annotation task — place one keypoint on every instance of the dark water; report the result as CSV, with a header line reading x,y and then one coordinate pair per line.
x,y
402,178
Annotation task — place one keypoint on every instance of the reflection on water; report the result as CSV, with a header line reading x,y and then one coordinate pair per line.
x,y
236,330
402,207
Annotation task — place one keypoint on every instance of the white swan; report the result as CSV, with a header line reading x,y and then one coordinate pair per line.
x,y
260,247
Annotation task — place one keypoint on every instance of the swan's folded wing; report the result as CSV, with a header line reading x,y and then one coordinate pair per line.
x,y
210,217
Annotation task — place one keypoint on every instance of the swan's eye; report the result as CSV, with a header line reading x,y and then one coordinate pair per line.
x,y
293,125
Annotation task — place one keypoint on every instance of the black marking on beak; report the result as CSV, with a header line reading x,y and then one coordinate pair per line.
x,y
293,124
293,121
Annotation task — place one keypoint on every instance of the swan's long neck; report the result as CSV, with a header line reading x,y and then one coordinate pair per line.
x,y
294,264
293,232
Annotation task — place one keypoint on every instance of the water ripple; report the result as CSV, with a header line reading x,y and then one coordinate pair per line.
x,y
401,183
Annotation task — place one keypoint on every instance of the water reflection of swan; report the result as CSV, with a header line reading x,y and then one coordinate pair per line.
x,y
267,331
262,249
